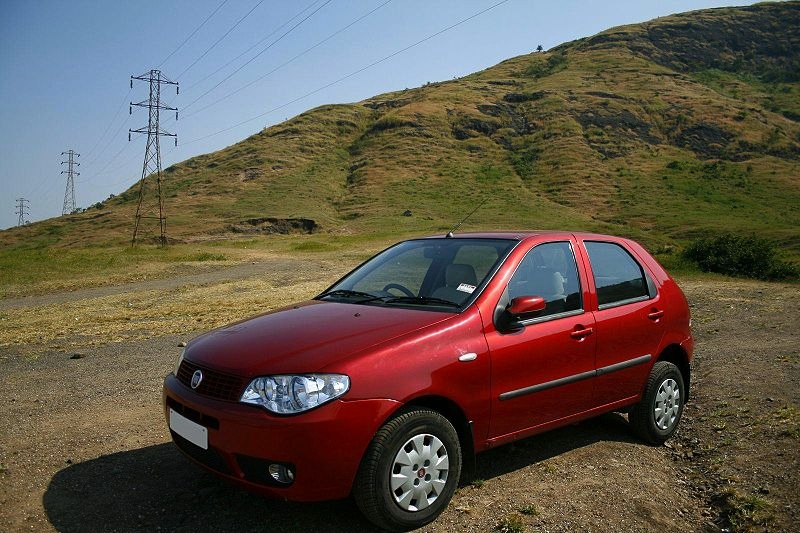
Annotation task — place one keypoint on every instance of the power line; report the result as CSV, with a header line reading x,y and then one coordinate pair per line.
x,y
69,193
152,157
354,73
91,152
114,158
198,82
36,191
126,100
229,76
220,39
125,147
193,33
99,140
298,56
270,45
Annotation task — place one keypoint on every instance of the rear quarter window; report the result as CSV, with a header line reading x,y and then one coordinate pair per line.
x,y
618,277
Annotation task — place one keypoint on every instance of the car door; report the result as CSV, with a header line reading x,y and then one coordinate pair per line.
x,y
542,364
627,321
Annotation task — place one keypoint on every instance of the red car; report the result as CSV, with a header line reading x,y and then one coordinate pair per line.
x,y
387,383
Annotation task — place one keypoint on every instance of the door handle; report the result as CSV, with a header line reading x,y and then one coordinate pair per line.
x,y
581,333
655,315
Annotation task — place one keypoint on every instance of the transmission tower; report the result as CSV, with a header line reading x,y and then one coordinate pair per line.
x,y
69,194
22,210
150,205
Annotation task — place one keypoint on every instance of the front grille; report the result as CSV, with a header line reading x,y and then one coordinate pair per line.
x,y
214,385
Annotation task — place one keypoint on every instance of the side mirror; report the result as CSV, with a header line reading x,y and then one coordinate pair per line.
x,y
525,305
508,319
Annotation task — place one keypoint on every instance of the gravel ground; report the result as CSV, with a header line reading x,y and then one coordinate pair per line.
x,y
84,445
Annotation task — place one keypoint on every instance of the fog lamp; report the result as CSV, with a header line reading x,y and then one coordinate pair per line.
x,y
281,473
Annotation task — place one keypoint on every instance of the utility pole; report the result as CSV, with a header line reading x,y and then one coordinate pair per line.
x,y
22,210
151,203
69,194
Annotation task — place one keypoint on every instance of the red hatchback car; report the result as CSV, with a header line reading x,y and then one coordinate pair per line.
x,y
386,384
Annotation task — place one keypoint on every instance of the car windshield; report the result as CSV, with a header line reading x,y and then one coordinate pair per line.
x,y
436,273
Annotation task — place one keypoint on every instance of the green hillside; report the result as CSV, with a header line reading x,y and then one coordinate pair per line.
x,y
664,131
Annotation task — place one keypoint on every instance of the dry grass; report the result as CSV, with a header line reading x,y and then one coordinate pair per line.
x,y
142,314
285,270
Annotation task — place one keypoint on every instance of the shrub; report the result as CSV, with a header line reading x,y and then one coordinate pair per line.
x,y
555,63
206,256
510,524
748,512
740,256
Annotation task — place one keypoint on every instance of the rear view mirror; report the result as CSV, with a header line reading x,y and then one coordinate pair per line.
x,y
524,305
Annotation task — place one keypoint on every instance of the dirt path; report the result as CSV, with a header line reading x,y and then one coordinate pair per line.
x,y
209,275
84,445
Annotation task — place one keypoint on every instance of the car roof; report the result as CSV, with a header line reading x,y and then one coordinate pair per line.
x,y
526,234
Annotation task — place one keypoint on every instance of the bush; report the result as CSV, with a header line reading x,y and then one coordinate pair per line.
x,y
740,256
555,63
205,256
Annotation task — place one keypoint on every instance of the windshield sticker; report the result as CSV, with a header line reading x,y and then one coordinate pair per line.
x,y
466,287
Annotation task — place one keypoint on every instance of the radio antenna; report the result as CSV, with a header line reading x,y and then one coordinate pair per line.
x,y
450,233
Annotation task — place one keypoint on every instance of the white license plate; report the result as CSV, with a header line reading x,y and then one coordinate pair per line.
x,y
194,433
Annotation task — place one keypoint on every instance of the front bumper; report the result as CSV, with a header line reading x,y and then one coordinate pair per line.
x,y
323,446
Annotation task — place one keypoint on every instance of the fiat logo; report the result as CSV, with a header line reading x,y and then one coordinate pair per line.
x,y
197,377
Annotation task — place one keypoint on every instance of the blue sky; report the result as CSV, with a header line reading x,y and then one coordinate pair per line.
x,y
66,65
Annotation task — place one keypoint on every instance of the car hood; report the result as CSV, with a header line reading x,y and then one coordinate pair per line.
x,y
306,337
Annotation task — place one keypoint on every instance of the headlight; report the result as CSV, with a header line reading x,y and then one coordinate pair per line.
x,y
292,394
179,361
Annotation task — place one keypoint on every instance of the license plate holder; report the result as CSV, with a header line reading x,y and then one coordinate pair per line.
x,y
191,431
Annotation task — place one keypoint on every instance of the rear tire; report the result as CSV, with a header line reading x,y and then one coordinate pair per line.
x,y
655,418
409,472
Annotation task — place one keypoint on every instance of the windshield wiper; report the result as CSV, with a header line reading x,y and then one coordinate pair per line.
x,y
346,293
421,300
363,297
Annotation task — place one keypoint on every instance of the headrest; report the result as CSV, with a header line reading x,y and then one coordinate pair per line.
x,y
456,274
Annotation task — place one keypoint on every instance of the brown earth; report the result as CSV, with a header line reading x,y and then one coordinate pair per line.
x,y
84,445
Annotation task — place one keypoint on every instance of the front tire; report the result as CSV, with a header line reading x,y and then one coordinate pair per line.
x,y
410,471
655,418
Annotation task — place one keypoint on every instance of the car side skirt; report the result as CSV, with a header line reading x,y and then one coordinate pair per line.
x,y
575,377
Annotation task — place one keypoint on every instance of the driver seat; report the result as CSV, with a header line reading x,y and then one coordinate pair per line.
x,y
459,282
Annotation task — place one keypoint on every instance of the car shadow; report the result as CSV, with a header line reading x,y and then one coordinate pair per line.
x,y
157,489
611,427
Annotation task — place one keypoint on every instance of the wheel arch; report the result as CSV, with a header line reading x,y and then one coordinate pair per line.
x,y
676,355
463,426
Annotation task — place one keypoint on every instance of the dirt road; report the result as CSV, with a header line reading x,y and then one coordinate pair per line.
x,y
84,445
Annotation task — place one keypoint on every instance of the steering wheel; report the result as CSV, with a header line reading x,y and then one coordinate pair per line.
x,y
400,288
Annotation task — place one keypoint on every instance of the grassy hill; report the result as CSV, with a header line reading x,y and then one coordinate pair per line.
x,y
664,131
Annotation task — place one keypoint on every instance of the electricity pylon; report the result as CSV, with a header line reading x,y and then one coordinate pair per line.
x,y
152,202
22,210
69,194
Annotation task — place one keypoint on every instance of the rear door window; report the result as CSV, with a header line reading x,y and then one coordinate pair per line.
x,y
619,279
